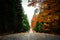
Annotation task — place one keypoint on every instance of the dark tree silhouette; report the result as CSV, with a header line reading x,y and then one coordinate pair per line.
x,y
10,16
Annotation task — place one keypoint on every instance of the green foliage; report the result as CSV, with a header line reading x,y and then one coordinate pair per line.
x,y
38,27
36,10
25,23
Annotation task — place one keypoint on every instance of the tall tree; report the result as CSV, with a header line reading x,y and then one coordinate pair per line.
x,y
10,16
25,23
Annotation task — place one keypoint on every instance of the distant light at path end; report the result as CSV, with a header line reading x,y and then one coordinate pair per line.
x,y
29,11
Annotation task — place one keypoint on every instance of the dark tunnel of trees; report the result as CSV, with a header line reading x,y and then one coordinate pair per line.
x,y
12,17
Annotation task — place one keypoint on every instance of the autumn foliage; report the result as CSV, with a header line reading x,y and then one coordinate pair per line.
x,y
49,15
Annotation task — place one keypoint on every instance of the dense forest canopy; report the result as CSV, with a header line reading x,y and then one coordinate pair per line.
x,y
49,15
11,13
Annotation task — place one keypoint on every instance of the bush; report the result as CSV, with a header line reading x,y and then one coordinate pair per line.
x,y
38,27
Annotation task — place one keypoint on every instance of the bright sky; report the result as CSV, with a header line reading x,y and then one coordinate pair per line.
x,y
28,10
